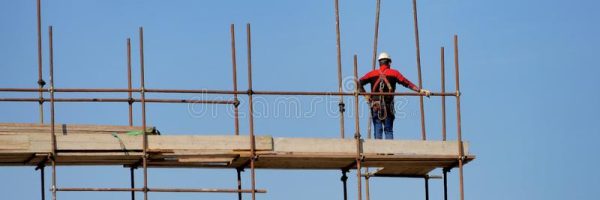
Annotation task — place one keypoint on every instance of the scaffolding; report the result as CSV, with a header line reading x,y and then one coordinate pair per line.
x,y
51,157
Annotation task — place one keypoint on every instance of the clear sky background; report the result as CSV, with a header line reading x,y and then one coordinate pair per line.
x,y
529,73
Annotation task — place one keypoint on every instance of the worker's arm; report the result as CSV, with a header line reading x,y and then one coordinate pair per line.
x,y
405,82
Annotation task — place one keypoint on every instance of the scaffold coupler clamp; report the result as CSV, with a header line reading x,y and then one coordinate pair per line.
x,y
236,103
344,178
342,107
458,93
41,82
130,100
250,92
41,100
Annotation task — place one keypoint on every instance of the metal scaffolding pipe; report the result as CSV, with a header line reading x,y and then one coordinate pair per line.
x,y
426,187
120,100
239,182
416,23
143,100
357,130
376,37
443,65
461,152
43,182
254,92
129,94
52,114
235,95
156,190
251,112
339,66
132,178
445,172
344,180
40,81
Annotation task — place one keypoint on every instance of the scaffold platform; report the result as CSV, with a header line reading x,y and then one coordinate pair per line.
x,y
29,144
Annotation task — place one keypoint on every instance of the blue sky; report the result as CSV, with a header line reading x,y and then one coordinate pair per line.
x,y
528,77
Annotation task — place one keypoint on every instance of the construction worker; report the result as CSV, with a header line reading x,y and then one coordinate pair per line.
x,y
384,79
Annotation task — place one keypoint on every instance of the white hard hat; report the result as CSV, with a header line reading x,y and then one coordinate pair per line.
x,y
384,55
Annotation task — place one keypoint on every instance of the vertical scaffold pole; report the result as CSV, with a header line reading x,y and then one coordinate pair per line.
x,y
235,95
143,101
130,96
376,37
251,112
426,187
130,102
374,63
344,180
239,182
443,66
52,116
458,121
445,172
132,177
416,23
339,66
40,81
357,130
43,181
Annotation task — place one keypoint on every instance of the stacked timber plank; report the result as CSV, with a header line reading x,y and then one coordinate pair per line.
x,y
30,144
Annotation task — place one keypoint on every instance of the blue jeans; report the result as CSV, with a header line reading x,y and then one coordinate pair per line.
x,y
380,126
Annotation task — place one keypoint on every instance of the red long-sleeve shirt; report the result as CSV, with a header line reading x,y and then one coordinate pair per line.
x,y
392,75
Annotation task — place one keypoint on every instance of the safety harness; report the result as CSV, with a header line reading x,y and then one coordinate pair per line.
x,y
380,105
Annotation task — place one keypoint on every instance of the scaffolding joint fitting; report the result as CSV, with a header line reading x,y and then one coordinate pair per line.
x,y
344,178
342,107
357,135
458,93
41,82
236,103
130,100
41,100
250,92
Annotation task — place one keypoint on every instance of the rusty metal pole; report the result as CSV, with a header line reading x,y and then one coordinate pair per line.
x,y
339,66
357,130
416,23
426,187
367,191
376,37
132,177
239,183
52,115
143,97
235,95
40,81
129,82
443,66
251,112
445,172
375,40
458,122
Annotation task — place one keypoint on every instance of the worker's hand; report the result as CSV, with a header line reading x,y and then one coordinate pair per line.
x,y
368,98
425,92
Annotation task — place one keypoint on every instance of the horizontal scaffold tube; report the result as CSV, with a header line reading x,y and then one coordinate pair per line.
x,y
202,91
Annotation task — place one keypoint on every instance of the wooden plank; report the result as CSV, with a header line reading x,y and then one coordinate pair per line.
x,y
318,145
14,142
